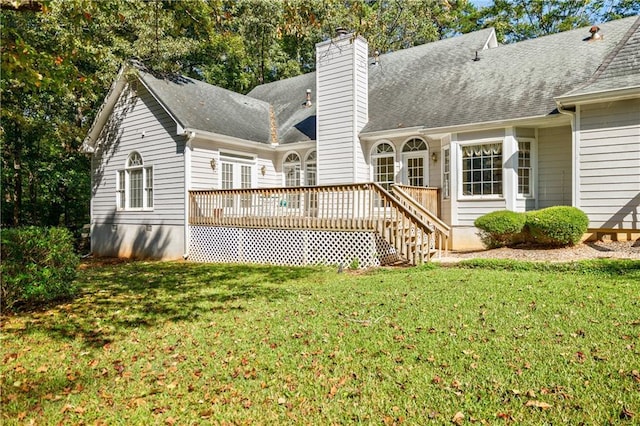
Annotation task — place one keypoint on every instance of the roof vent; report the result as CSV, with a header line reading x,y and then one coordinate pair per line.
x,y
376,58
477,58
341,32
595,33
308,101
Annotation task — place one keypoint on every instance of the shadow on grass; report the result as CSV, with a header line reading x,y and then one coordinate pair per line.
x,y
117,297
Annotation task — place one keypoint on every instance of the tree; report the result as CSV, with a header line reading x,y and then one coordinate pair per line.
x,y
516,20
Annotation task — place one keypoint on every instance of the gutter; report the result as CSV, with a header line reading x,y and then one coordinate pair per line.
x,y
187,179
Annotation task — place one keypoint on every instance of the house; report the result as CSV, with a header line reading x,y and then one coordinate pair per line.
x,y
303,170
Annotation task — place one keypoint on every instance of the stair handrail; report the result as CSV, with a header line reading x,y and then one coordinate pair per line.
x,y
437,222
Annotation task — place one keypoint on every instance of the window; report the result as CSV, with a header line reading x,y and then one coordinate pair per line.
x,y
383,165
414,155
310,179
482,169
524,168
446,173
291,169
311,169
134,185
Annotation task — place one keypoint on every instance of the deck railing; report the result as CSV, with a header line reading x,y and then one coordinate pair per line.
x,y
417,199
355,207
427,197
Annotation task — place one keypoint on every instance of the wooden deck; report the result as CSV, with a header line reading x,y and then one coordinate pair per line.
x,y
411,227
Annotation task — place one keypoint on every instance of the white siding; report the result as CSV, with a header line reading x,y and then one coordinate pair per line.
x,y
202,174
470,210
139,123
554,167
342,110
609,188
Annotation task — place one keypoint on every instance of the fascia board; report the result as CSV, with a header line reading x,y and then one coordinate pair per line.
x,y
596,97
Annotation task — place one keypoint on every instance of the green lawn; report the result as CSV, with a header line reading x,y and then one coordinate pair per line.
x,y
180,343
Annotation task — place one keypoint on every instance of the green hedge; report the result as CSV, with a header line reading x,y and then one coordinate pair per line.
x,y
38,265
501,228
557,226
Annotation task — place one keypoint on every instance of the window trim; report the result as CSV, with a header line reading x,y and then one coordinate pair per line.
x,y
446,160
532,168
374,156
305,170
285,164
460,176
421,153
123,189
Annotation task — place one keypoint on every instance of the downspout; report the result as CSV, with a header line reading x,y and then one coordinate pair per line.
x,y
187,185
575,138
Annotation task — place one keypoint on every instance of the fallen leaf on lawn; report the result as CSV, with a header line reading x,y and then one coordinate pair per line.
x,y
458,418
537,404
42,369
626,414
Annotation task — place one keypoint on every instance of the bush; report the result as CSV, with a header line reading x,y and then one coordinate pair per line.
x,y
38,265
501,228
557,226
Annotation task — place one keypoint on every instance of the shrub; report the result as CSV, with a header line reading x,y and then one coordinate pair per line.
x,y
501,228
38,265
557,226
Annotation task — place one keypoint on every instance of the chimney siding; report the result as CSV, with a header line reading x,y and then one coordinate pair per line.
x,y
342,110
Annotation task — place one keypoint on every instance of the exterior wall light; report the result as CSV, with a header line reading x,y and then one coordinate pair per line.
x,y
213,164
263,170
434,157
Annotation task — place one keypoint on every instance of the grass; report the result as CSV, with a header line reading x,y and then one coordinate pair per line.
x,y
490,342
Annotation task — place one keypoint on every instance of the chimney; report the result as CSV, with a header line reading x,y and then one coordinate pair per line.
x,y
342,109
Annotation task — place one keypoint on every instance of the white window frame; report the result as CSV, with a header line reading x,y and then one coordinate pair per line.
x,y
411,154
309,163
297,169
460,173
123,185
375,156
532,168
446,172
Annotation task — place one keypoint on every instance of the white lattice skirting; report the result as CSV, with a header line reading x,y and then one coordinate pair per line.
x,y
289,247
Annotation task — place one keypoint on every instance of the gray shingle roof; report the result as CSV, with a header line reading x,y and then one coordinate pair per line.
x,y
434,85
439,84
200,106
620,70
296,122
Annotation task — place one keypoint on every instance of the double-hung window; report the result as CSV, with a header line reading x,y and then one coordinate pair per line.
x,y
134,185
525,169
446,173
482,169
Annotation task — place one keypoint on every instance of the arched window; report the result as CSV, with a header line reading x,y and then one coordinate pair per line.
x,y
134,184
291,169
383,161
311,169
415,157
311,178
